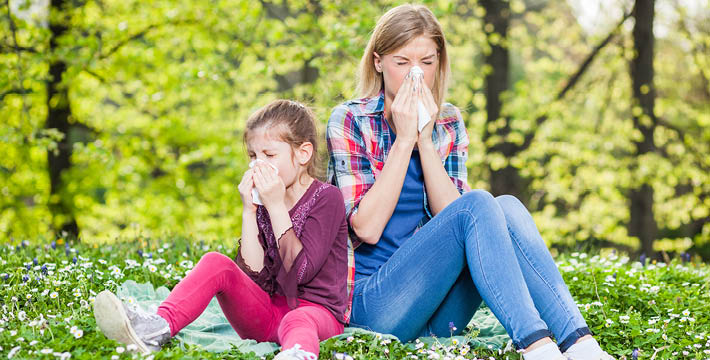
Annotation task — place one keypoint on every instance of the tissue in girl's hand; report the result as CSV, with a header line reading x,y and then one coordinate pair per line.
x,y
423,114
255,194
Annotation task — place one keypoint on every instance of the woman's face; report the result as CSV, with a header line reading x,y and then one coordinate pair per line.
x,y
420,51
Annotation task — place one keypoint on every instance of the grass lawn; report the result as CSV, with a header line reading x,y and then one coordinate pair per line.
x,y
652,310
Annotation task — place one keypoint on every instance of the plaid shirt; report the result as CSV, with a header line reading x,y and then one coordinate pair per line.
x,y
359,141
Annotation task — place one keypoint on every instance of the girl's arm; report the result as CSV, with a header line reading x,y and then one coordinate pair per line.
x,y
272,192
250,249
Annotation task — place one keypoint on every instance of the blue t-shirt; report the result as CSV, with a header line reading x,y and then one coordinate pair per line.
x,y
408,214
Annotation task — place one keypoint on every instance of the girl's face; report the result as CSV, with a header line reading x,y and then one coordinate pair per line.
x,y
265,144
420,51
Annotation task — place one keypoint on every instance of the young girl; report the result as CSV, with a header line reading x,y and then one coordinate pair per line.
x,y
288,282
429,249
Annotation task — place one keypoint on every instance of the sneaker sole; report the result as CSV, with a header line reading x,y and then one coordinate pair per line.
x,y
111,318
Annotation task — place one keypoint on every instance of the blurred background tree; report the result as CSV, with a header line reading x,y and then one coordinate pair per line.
x,y
125,118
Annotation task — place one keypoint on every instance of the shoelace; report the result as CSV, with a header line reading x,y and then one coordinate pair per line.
x,y
143,315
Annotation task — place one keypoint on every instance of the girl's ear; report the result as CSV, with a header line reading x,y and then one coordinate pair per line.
x,y
304,153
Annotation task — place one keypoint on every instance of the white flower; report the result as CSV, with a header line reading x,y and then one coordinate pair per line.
x,y
33,342
686,312
120,349
624,319
78,333
53,295
21,316
131,347
64,356
13,351
152,268
46,351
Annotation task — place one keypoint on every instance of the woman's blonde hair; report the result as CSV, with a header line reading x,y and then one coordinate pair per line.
x,y
393,30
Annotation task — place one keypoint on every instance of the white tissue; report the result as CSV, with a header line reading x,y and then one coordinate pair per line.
x,y
423,115
255,194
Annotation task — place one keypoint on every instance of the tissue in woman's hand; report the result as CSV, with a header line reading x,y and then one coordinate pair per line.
x,y
255,194
418,74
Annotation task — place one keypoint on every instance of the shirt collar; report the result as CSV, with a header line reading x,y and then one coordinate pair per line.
x,y
372,106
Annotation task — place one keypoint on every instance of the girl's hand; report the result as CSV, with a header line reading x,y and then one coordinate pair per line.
x,y
245,187
404,110
271,188
427,98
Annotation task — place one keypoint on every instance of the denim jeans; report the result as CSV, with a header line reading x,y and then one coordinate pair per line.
x,y
479,248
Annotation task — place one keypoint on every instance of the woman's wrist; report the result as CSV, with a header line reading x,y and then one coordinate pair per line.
x,y
404,143
425,144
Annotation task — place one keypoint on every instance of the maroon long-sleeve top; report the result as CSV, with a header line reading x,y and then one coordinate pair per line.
x,y
318,273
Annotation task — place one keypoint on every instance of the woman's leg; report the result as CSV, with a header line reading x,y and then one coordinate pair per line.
x,y
248,308
457,309
403,295
306,326
549,292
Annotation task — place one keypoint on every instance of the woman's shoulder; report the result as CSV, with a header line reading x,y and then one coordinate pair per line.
x,y
357,107
449,113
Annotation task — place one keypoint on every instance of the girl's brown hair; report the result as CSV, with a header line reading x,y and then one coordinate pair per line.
x,y
297,123
395,29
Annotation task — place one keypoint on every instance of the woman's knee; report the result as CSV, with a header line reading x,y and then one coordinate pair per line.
x,y
478,198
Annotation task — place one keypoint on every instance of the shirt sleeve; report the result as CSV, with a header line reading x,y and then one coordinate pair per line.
x,y
455,163
261,278
320,230
349,167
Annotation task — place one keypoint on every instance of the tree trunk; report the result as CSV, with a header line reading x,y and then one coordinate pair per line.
x,y
642,223
58,114
506,180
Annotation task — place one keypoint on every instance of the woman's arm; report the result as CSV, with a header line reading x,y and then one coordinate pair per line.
x,y
439,188
378,204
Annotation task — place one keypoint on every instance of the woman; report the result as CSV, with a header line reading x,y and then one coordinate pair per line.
x,y
428,250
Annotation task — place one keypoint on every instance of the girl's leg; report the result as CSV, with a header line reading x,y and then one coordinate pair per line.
x,y
248,308
306,326
549,292
403,295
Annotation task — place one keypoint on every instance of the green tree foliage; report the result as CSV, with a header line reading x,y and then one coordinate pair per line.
x,y
159,92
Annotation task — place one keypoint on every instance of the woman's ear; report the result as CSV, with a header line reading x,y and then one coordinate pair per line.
x,y
377,62
304,153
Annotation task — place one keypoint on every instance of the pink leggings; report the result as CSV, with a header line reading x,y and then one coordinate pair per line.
x,y
250,310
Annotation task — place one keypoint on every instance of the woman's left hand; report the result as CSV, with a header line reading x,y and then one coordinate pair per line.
x,y
427,98
268,183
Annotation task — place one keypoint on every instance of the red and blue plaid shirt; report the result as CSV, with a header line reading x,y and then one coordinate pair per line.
x,y
359,140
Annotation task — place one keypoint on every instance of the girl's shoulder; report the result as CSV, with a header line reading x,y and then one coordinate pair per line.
x,y
328,192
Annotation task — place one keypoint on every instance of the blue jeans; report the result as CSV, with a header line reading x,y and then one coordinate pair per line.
x,y
477,248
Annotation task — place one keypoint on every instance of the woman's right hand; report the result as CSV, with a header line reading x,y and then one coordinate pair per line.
x,y
245,187
404,110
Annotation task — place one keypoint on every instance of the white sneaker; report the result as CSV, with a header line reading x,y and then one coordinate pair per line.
x,y
118,321
295,353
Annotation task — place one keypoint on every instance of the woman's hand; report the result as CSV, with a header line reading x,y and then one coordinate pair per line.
x,y
245,187
271,188
404,110
427,98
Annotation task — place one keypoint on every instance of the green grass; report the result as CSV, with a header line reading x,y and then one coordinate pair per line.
x,y
47,292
